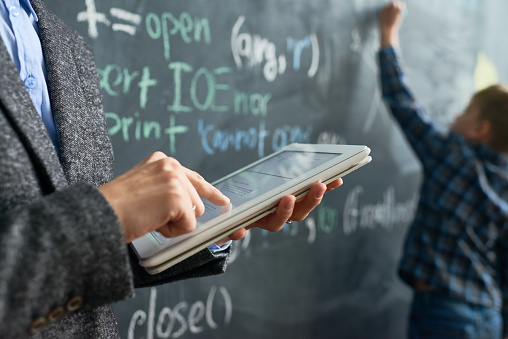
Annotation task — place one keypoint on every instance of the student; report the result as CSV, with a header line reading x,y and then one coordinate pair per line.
x,y
64,223
455,252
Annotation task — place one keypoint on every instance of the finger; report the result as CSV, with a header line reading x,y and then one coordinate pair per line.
x,y
184,201
305,205
400,7
175,228
334,184
156,156
205,189
238,234
168,166
142,164
276,220
181,221
198,207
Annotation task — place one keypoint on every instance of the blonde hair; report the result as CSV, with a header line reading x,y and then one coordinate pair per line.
x,y
492,103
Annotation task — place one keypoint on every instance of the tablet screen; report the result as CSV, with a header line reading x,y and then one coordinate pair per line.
x,y
259,179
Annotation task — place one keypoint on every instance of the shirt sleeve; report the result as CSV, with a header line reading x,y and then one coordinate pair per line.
x,y
64,246
216,248
426,138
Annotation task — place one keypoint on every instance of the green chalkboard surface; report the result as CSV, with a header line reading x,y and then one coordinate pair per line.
x,y
220,83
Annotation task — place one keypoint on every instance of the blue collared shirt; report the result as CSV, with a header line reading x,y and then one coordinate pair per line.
x,y
458,241
19,32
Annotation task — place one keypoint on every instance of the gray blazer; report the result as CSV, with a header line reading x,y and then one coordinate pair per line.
x,y
63,259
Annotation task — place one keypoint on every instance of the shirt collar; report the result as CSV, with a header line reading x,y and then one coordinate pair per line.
x,y
29,6
494,156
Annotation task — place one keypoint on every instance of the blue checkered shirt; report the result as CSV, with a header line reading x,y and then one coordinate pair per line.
x,y
458,241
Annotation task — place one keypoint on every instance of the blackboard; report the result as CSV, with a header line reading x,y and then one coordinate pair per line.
x,y
220,83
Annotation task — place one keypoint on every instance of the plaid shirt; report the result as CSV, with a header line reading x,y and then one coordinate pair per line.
x,y
457,243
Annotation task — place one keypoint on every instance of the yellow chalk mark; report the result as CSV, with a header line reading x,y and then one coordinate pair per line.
x,y
485,73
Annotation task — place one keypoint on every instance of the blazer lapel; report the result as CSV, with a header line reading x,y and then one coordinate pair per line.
x,y
85,149
19,110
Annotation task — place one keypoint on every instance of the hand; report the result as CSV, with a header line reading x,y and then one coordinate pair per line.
x,y
159,194
390,20
288,209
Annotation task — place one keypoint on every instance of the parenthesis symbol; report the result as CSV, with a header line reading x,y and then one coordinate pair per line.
x,y
234,35
311,225
315,56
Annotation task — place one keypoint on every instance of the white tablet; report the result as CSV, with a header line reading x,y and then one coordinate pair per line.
x,y
254,192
